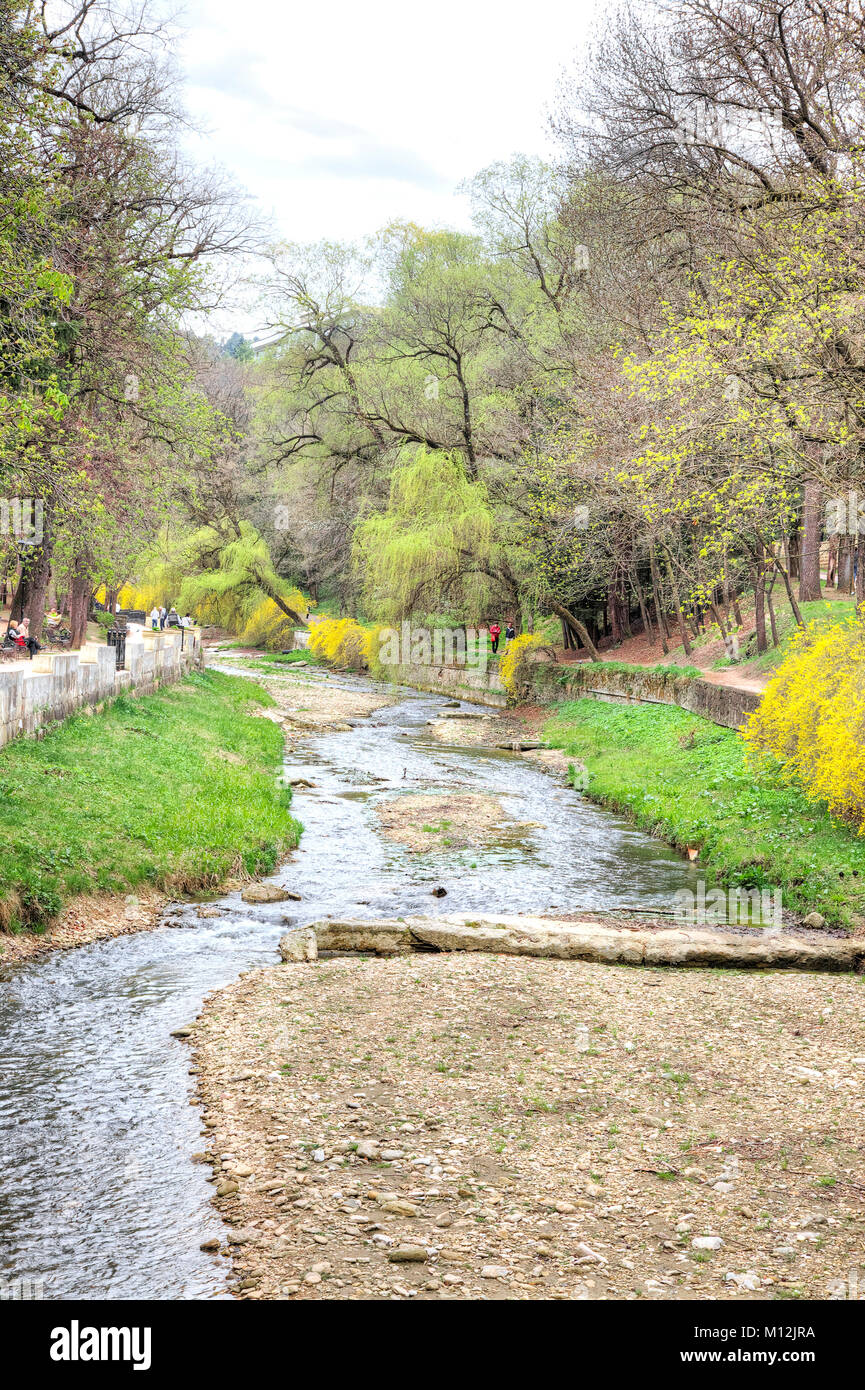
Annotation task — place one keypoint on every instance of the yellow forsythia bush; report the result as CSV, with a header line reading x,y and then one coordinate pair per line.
x,y
267,626
514,664
341,641
372,650
812,716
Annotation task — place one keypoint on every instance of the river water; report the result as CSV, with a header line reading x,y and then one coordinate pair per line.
x,y
99,1197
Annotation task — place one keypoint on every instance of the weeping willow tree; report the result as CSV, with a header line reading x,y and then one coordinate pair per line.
x,y
434,548
227,578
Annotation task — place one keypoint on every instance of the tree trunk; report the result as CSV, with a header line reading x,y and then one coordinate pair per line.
x,y
769,605
37,597
20,597
860,569
280,603
812,528
79,601
785,577
581,631
832,563
845,564
644,612
759,581
30,596
618,608
677,604
659,606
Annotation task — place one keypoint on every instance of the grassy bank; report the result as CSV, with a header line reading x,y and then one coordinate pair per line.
x,y
688,781
177,790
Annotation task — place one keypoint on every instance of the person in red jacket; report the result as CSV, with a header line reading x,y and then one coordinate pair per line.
x,y
495,634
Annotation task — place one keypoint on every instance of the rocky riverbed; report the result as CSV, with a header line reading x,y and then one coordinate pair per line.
x,y
466,1127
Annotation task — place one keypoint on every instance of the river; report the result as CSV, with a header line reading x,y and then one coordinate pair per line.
x,y
99,1197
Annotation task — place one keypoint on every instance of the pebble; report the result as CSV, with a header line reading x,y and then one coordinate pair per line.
x,y
408,1254
586,1255
397,1207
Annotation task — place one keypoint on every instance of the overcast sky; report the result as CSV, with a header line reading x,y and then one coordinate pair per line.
x,y
339,116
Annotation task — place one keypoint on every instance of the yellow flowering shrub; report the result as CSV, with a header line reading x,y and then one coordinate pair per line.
x,y
513,665
341,641
372,649
812,716
267,626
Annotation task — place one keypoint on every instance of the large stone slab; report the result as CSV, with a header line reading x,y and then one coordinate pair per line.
x,y
380,937
539,936
299,945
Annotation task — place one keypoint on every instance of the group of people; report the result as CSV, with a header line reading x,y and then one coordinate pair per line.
x,y
18,635
167,617
496,632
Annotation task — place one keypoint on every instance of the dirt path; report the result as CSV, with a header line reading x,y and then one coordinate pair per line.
x,y
483,1127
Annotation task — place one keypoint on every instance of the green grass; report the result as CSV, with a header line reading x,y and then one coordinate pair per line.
x,y
823,611
177,789
614,668
752,830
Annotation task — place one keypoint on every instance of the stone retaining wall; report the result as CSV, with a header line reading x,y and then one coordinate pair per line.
x,y
53,685
550,682
462,682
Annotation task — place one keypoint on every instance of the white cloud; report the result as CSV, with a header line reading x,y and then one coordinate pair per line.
x,y
339,116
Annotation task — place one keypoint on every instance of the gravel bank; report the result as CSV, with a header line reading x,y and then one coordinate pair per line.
x,y
478,1127
84,920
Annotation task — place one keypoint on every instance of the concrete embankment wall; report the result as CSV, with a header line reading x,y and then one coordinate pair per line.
x,y
34,694
548,683
462,682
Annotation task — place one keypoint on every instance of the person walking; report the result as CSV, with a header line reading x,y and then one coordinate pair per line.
x,y
510,634
173,619
154,618
495,634
162,616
